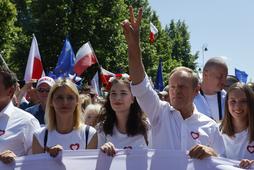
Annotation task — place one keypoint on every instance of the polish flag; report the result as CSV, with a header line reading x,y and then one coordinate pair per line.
x,y
153,31
105,75
34,68
85,58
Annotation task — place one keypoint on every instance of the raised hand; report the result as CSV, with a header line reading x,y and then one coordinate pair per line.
x,y
131,27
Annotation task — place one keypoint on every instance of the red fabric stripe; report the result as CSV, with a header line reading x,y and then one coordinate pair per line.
x,y
85,62
152,38
37,68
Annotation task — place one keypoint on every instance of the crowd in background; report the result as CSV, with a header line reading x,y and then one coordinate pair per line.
x,y
208,116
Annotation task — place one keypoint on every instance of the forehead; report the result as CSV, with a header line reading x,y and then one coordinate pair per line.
x,y
180,77
64,90
237,93
120,86
218,69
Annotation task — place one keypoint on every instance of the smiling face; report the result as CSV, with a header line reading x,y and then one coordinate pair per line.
x,y
238,105
64,101
120,98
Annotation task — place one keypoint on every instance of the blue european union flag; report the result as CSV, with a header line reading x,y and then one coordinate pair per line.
x,y
159,78
66,61
241,75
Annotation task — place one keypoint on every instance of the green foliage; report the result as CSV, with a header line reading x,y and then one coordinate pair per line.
x,y
97,21
8,30
181,48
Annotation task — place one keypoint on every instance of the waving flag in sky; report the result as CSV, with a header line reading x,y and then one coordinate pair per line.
x,y
85,58
153,31
34,68
66,61
241,75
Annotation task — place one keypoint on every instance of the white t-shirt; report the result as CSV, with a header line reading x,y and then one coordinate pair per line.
x,y
75,140
208,105
16,130
238,147
169,129
122,141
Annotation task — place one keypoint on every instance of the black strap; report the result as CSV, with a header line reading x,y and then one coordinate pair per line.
x,y
219,102
87,134
45,140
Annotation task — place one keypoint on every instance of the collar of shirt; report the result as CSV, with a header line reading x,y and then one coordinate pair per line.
x,y
8,109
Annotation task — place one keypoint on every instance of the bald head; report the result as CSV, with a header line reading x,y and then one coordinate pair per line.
x,y
215,62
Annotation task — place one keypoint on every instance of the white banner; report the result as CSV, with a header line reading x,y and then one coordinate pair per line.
x,y
124,160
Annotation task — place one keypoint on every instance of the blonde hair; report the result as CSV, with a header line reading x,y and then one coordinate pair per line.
x,y
85,100
50,114
91,108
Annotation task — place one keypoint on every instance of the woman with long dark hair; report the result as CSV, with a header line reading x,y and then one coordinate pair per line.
x,y
122,123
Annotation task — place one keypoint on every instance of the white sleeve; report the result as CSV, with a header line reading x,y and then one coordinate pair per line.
x,y
31,127
148,100
217,142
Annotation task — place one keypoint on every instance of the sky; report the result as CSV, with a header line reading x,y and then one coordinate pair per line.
x,y
225,27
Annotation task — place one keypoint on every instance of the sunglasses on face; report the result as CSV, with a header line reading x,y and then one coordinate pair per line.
x,y
43,90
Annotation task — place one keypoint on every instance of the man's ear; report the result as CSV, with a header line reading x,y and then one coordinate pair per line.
x,y
197,89
11,90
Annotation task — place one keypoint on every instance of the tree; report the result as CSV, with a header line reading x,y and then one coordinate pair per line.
x,y
8,30
181,48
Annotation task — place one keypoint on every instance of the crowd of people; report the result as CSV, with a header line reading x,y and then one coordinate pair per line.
x,y
208,116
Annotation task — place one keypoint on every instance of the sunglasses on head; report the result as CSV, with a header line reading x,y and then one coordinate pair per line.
x,y
43,90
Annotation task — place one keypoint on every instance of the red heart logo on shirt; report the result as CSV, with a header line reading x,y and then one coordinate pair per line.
x,y
250,148
194,135
74,146
2,132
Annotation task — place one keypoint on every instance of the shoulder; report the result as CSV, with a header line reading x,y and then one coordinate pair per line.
x,y
90,129
32,109
202,118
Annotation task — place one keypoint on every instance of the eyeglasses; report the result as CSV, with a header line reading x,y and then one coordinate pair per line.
x,y
43,90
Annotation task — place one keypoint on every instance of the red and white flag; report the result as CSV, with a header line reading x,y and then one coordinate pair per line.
x,y
153,31
34,68
105,75
85,58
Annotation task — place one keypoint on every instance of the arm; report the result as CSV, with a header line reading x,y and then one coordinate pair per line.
x,y
131,32
36,147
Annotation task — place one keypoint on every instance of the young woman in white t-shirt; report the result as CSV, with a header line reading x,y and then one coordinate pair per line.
x,y
122,123
237,127
64,128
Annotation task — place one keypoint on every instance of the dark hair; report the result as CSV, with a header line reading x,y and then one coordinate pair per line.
x,y
227,122
137,119
9,78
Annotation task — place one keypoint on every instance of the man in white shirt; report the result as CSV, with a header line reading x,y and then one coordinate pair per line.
x,y
211,97
177,125
16,126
